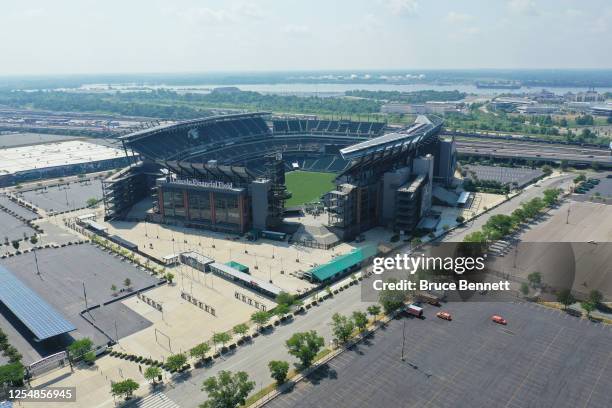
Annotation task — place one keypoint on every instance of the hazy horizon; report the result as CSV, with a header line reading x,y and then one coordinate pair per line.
x,y
189,36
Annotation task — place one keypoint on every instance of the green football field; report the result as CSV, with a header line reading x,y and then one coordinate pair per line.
x,y
307,186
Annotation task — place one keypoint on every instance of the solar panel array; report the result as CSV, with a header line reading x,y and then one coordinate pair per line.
x,y
36,314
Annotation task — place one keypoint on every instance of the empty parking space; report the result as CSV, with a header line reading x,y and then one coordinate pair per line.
x,y
12,228
64,197
11,206
543,358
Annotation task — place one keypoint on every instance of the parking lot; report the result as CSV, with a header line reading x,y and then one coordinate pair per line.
x,y
17,209
12,228
600,193
64,197
542,358
64,272
504,175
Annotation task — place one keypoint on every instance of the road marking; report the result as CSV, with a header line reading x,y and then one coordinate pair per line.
x,y
597,381
532,366
451,380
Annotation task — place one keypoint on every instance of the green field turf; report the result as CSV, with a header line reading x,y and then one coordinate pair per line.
x,y
307,186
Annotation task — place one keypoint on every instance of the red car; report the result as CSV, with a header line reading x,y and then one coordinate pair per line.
x,y
499,320
444,315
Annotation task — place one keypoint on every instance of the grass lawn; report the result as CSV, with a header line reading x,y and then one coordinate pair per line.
x,y
307,186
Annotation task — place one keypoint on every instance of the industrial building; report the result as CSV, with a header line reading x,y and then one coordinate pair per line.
x,y
28,163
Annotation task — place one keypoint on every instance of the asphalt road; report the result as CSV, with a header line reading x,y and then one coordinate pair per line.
x,y
517,149
254,358
511,205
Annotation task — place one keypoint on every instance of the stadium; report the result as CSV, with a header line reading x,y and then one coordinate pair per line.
x,y
227,174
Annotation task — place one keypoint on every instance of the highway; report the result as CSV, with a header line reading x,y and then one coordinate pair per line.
x,y
535,151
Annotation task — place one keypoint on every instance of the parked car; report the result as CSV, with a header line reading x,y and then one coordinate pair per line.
x,y
499,320
444,315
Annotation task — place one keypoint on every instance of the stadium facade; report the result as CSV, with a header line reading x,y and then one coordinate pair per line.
x,y
227,173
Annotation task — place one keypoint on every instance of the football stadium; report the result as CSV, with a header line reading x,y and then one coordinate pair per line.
x,y
228,174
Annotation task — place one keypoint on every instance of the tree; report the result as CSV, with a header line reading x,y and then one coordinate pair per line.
x,y
12,374
79,348
391,300
221,338
305,346
89,357
114,289
374,311
170,277
127,283
281,309
565,297
241,329
360,319
279,370
260,318
595,297
15,245
176,361
588,307
151,373
92,201
33,240
200,351
579,178
125,388
477,237
227,390
284,298
525,288
547,170
535,279
342,327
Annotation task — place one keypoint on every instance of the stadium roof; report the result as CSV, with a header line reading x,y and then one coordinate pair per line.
x,y
27,158
36,314
421,128
246,278
343,262
188,123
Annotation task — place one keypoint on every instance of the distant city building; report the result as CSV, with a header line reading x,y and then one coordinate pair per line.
x,y
538,109
545,96
503,103
589,96
602,110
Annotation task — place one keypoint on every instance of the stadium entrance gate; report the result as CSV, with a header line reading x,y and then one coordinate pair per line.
x,y
47,364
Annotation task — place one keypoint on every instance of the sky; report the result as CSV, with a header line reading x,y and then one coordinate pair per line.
x,y
159,36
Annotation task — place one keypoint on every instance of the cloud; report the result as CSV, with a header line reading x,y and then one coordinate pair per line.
x,y
523,7
573,13
603,23
234,13
403,7
457,18
28,13
296,29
